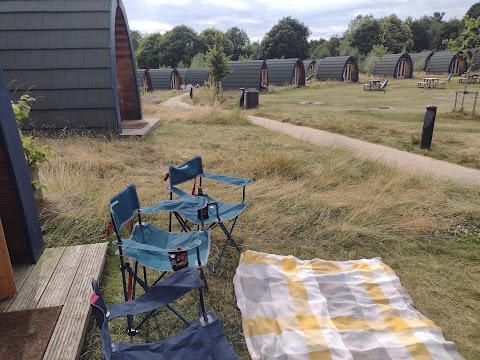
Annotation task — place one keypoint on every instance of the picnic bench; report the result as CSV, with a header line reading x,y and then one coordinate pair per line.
x,y
469,78
431,83
373,84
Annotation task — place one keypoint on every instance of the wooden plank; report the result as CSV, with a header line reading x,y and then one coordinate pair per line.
x,y
69,334
59,285
21,273
7,279
36,283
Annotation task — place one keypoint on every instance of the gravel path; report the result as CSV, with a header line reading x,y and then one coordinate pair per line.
x,y
417,164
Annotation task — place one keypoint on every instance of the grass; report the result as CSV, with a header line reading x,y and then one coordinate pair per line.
x,y
306,201
348,110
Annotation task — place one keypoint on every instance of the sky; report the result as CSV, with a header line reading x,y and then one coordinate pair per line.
x,y
325,18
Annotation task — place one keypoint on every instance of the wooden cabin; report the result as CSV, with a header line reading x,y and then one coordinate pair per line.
x,y
76,57
144,80
286,72
448,62
397,66
18,211
247,74
338,68
165,79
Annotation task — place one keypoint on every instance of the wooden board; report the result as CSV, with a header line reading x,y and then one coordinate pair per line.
x,y
21,273
7,279
34,286
69,333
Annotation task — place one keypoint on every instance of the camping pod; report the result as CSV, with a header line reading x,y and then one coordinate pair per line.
x,y
448,62
397,66
183,74
18,211
247,74
144,80
338,68
75,57
197,76
165,79
309,66
286,72
423,58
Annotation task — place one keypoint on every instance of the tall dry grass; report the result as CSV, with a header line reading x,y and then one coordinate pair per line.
x,y
306,201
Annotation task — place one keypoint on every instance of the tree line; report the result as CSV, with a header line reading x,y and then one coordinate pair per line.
x,y
366,35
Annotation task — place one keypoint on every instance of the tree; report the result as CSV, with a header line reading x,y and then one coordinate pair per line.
x,y
240,41
287,39
136,36
148,51
321,50
398,36
468,39
217,62
474,11
333,45
208,38
366,35
179,44
421,34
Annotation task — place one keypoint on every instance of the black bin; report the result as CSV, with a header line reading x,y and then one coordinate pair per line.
x,y
251,98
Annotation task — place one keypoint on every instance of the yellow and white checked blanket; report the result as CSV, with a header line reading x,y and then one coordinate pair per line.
x,y
295,310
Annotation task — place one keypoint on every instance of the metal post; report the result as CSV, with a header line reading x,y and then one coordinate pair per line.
x,y
475,103
455,106
428,124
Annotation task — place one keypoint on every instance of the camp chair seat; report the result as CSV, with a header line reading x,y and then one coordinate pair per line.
x,y
150,246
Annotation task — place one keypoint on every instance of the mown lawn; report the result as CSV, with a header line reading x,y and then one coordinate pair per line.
x,y
306,201
348,110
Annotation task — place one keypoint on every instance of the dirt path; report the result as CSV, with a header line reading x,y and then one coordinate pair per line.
x,y
177,102
413,163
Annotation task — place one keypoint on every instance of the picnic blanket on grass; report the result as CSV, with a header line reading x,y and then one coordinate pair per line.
x,y
295,310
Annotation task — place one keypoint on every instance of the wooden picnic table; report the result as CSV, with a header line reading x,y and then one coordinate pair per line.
x,y
472,78
375,84
431,82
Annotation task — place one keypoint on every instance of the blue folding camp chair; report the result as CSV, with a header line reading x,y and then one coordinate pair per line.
x,y
217,213
152,247
203,340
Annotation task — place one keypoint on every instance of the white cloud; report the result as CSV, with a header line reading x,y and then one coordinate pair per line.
x,y
149,26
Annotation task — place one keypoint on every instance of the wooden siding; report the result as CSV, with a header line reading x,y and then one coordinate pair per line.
x,y
126,84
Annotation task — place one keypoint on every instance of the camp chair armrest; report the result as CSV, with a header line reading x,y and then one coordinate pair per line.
x,y
175,205
231,180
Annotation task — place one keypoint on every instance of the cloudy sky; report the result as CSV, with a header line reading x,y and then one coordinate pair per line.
x,y
324,17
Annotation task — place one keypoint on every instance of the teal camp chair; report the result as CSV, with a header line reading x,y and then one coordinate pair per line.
x,y
218,212
153,247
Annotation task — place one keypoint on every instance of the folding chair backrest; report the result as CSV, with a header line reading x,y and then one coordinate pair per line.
x,y
185,172
99,310
123,206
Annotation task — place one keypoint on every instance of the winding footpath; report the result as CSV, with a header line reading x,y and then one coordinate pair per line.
x,y
414,163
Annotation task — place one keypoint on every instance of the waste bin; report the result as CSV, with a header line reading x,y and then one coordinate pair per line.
x,y
251,98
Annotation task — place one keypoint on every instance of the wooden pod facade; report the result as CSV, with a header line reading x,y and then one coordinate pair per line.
x,y
338,68
76,57
247,74
144,80
397,66
286,72
448,62
165,79
309,66
18,211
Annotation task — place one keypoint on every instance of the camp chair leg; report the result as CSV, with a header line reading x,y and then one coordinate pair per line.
x,y
159,278
229,236
217,265
204,278
145,275
182,222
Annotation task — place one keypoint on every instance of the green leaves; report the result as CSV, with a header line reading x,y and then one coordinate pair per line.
x,y
217,61
34,153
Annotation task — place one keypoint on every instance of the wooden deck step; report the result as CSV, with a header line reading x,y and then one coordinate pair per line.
x,y
69,334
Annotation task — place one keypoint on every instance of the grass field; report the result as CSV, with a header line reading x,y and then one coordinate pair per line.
x,y
348,110
305,201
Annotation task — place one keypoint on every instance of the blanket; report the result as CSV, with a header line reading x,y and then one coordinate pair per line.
x,y
295,310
